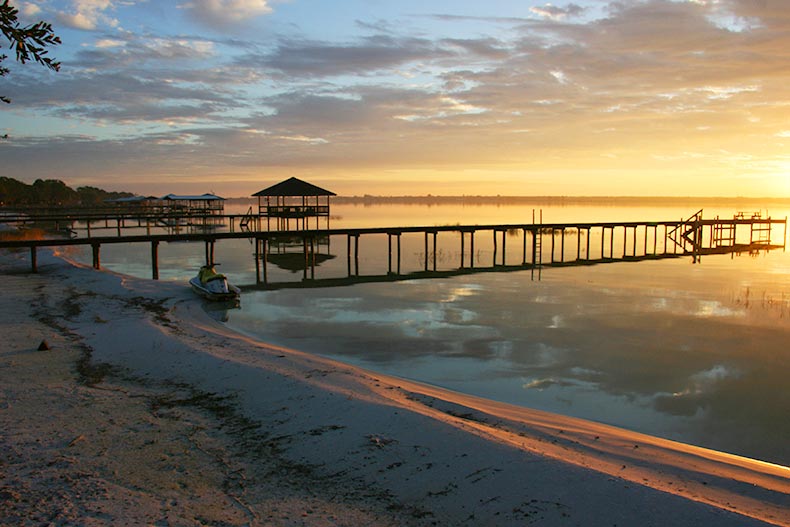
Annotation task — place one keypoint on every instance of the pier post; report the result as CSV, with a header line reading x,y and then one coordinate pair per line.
x,y
96,256
524,248
348,253
562,245
33,259
356,255
435,234
495,248
306,256
118,226
389,253
462,249
312,258
397,238
472,249
534,245
265,260
552,245
587,255
579,245
603,239
257,257
155,260
504,237
625,240
426,250
88,225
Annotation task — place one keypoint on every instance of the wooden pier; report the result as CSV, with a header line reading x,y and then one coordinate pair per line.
x,y
538,245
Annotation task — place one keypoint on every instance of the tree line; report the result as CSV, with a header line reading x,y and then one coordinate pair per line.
x,y
52,192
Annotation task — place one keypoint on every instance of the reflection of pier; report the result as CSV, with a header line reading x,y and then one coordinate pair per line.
x,y
353,279
594,243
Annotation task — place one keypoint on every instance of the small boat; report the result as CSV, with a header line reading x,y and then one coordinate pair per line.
x,y
213,285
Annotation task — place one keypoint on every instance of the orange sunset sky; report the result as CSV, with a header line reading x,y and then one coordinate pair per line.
x,y
509,97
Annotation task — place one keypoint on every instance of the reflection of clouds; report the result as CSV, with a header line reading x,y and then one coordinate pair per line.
x,y
705,380
542,384
557,321
696,396
711,308
462,291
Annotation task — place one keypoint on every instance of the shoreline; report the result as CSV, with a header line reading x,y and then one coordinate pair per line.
x,y
379,450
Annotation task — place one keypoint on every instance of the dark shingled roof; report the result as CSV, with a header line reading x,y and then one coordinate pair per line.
x,y
294,187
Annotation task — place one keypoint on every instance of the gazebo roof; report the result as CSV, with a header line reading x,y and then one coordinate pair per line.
x,y
294,187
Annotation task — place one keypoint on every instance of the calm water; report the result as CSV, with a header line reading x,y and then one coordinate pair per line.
x,y
694,352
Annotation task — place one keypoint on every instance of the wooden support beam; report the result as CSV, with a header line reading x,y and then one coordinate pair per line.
x,y
155,260
435,234
33,259
312,258
579,244
348,253
389,253
265,259
426,251
306,256
655,239
462,249
625,241
495,249
257,257
587,256
95,249
397,236
603,239
504,238
356,254
472,249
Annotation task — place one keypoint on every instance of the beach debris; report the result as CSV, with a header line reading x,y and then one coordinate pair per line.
x,y
76,440
44,346
380,442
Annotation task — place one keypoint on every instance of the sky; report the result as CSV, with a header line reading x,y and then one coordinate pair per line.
x,y
407,97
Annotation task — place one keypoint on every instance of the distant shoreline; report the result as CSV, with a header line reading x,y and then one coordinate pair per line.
x,y
549,200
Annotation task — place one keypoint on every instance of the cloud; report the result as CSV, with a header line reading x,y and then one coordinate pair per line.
x,y
29,9
557,13
314,58
88,15
222,14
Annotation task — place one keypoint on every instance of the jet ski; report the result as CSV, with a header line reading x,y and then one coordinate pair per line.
x,y
213,285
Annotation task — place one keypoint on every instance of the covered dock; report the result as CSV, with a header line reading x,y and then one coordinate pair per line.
x,y
294,199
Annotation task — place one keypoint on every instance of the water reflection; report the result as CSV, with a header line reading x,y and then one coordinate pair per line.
x,y
666,348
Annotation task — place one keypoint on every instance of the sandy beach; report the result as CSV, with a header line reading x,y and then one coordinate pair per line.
x,y
147,411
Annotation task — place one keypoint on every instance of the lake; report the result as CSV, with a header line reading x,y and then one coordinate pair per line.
x,y
698,353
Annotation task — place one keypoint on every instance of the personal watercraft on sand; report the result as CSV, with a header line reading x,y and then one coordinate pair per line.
x,y
213,285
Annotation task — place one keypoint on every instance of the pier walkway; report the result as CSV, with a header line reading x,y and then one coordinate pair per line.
x,y
538,245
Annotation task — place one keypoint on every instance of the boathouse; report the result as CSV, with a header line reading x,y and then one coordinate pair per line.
x,y
294,199
207,204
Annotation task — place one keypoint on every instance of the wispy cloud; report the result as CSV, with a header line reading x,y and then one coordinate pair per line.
x,y
223,14
88,15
